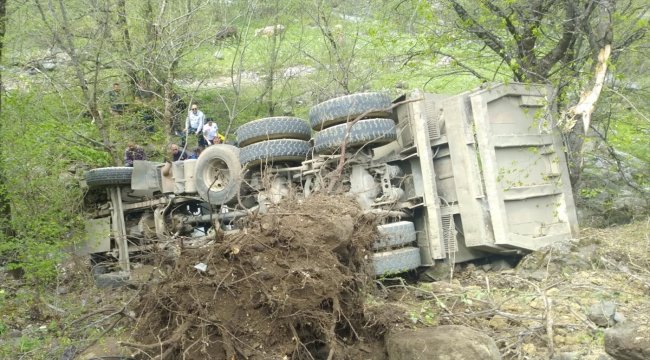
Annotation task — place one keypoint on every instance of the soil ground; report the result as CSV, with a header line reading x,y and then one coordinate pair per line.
x,y
296,285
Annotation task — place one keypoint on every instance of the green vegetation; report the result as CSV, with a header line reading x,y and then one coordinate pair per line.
x,y
56,122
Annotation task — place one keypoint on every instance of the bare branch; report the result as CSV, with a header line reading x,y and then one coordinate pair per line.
x,y
462,65
569,33
488,37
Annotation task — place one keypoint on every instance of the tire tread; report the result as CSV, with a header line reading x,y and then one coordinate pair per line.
x,y
395,234
396,261
274,150
107,176
271,128
367,131
348,108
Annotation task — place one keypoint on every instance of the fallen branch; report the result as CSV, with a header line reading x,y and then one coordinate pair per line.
x,y
174,338
57,309
627,272
548,305
114,310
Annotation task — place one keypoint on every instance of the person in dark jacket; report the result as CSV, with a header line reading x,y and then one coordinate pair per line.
x,y
177,154
133,152
195,153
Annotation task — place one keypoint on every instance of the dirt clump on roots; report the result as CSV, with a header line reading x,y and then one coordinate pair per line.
x,y
291,286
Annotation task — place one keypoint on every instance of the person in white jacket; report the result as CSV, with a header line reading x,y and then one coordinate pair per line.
x,y
210,131
194,122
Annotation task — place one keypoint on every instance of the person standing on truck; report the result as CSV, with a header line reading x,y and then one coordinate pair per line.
x,y
194,122
210,131
133,152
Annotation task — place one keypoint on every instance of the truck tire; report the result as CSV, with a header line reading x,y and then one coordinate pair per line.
x,y
396,261
395,234
274,150
374,132
348,108
109,176
280,127
218,174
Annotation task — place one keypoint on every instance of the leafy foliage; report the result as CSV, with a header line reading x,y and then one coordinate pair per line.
x,y
43,192
56,122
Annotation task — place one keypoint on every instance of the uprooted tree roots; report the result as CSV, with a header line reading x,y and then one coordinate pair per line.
x,y
289,287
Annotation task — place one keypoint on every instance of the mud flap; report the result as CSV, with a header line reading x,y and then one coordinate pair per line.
x,y
146,176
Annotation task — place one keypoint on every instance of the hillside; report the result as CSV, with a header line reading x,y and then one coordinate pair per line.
x,y
283,289
548,295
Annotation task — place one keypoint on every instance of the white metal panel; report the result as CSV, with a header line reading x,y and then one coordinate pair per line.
x,y
524,171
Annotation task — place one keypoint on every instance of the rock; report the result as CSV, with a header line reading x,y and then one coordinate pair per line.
x,y
62,290
61,57
602,313
48,65
69,353
628,341
499,264
112,280
107,348
559,257
538,275
270,31
401,85
498,323
31,70
566,356
579,355
606,195
530,350
447,342
441,271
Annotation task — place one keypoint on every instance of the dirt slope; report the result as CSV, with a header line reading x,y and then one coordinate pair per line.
x,y
540,309
296,285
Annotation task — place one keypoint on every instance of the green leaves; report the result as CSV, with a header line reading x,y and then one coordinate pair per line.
x,y
38,149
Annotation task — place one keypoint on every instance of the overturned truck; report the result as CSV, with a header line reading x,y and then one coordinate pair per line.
x,y
453,178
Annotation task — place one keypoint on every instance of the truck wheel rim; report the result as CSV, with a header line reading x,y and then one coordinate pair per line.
x,y
218,175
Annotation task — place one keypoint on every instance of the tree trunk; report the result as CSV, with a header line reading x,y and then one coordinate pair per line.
x,y
5,206
122,24
168,111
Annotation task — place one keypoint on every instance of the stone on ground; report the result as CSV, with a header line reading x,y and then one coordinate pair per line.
x,y
628,341
447,342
